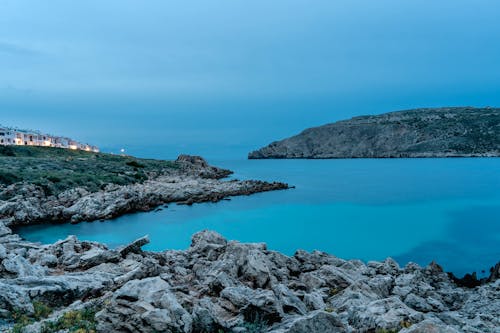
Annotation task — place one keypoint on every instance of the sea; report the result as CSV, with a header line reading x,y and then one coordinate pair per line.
x,y
413,210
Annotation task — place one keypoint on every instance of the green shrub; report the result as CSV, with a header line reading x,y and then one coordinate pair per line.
x,y
8,178
135,164
56,170
82,321
21,320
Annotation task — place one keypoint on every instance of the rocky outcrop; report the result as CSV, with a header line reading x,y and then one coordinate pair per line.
x,y
194,181
440,132
225,286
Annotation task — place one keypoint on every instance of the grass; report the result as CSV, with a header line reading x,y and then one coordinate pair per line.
x,y
56,170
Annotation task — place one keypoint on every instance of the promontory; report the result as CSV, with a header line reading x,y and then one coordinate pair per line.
x,y
429,132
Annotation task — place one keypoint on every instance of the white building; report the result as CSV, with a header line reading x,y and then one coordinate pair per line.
x,y
12,136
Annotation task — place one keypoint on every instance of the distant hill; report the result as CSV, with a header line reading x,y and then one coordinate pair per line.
x,y
431,132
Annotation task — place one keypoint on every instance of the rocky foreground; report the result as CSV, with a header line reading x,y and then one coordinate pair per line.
x,y
438,132
226,286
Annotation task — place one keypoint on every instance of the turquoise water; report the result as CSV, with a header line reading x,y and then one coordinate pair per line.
x,y
418,210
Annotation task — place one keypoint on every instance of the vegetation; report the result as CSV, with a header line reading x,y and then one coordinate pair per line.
x,y
56,170
402,324
41,311
82,321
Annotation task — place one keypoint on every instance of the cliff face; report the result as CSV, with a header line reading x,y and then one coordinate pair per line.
x,y
439,132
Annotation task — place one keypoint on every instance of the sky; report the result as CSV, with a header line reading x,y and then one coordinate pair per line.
x,y
221,78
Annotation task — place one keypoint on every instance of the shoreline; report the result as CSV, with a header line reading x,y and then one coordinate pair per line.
x,y
233,285
191,181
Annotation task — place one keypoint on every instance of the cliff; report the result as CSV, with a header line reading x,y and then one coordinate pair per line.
x,y
436,132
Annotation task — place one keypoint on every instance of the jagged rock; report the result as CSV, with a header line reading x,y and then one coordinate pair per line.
x,y
145,305
3,252
134,247
252,304
387,313
314,301
216,284
20,267
96,256
316,322
12,297
429,326
4,231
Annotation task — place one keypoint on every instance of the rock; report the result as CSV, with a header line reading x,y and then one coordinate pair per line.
x,y
207,243
145,305
4,231
20,267
316,322
387,313
429,326
314,301
97,256
290,303
253,304
494,273
235,287
3,252
48,260
13,298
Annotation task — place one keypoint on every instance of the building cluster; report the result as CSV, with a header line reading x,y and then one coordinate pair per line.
x,y
11,136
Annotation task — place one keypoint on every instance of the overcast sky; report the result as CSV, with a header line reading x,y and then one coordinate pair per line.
x,y
237,74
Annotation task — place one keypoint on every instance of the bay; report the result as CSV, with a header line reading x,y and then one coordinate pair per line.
x,y
418,210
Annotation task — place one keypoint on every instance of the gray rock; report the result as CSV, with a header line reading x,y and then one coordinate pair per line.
x,y
316,322
3,252
145,305
134,247
20,267
236,287
429,326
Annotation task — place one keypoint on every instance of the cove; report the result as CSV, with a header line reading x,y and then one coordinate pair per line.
x,y
419,210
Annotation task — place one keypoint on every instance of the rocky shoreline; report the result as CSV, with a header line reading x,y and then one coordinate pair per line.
x,y
226,286
216,285
194,181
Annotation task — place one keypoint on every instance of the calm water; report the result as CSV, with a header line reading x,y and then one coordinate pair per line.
x,y
418,210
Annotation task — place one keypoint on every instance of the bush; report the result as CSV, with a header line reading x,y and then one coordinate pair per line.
x,y
41,310
135,164
82,321
8,178
21,320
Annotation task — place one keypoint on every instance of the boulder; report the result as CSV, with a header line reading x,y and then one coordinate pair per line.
x,y
146,305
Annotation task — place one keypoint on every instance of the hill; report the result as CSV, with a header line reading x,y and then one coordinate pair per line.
x,y
431,132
